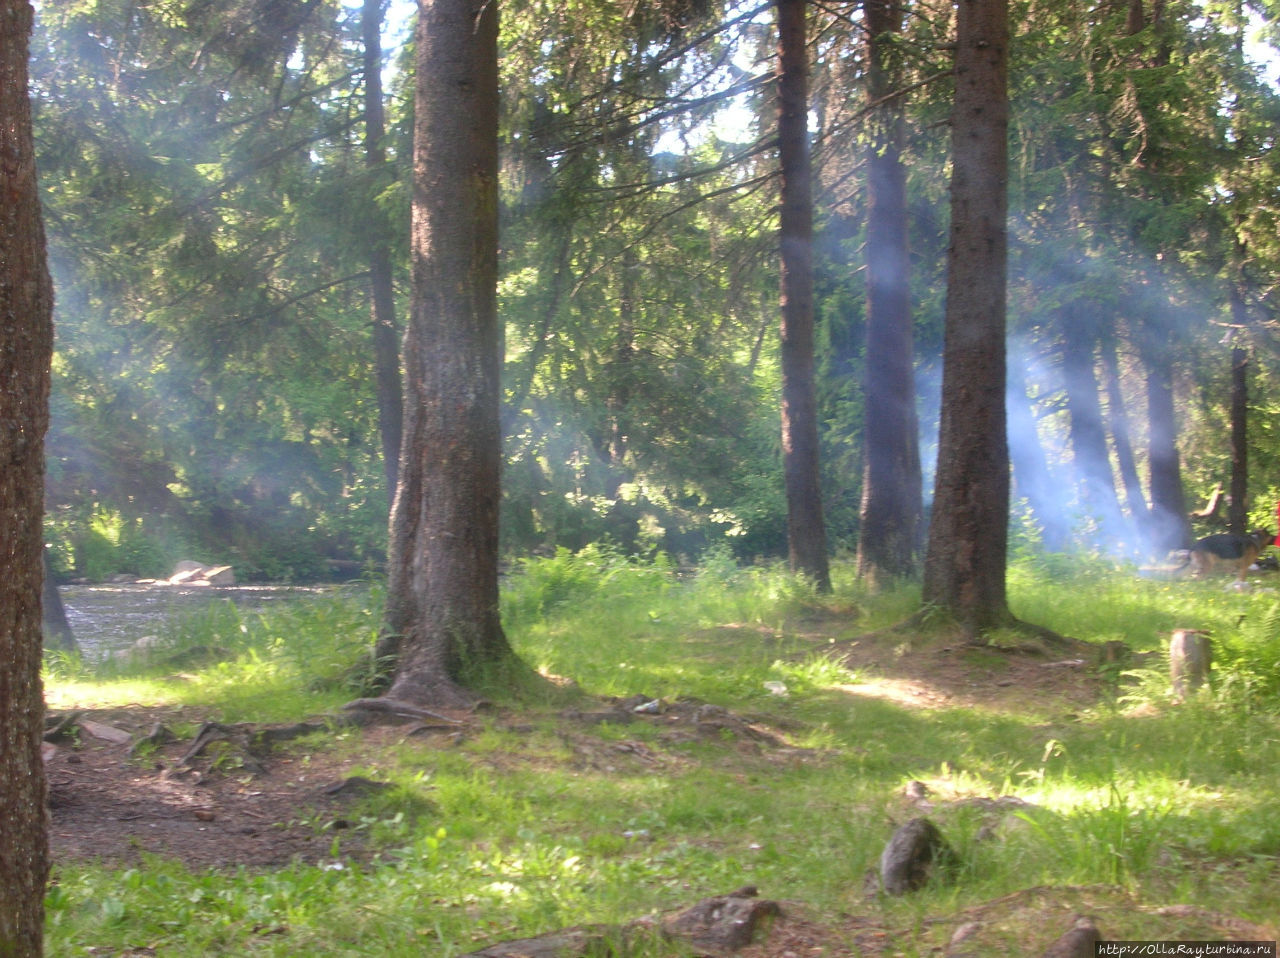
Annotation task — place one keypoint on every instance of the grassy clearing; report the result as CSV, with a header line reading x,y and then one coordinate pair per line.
x,y
278,666
1119,810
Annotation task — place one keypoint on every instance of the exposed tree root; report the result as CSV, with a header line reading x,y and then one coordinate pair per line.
x,y
928,620
401,709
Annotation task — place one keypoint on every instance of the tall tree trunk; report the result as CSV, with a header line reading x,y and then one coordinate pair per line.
x,y
622,375
1169,527
26,345
1118,422
1238,507
1168,523
806,530
1031,474
386,337
442,591
964,570
1094,479
891,513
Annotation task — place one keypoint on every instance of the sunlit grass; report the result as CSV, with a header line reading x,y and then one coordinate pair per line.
x,y
1099,602
62,694
515,831
295,659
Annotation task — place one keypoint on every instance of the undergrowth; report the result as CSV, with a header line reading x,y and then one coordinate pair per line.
x,y
303,655
517,831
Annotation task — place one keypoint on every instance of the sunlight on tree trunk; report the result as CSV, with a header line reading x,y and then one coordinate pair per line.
x,y
26,344
1095,482
1118,422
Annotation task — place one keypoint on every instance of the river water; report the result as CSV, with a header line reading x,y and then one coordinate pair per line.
x,y
105,618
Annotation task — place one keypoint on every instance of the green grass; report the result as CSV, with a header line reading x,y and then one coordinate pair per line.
x,y
289,662
1131,805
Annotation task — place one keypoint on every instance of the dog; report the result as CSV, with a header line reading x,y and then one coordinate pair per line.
x,y
1225,549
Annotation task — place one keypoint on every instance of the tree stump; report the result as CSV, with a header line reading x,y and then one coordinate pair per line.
x,y
1190,658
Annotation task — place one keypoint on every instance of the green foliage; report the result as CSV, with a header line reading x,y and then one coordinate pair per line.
x,y
97,541
1248,656
297,656
1111,842
214,374
207,204
595,574
1122,604
590,596
1142,612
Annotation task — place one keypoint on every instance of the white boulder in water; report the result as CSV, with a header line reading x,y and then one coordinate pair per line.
x,y
189,572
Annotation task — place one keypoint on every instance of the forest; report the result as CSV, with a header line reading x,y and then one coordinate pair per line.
x,y
683,446
228,233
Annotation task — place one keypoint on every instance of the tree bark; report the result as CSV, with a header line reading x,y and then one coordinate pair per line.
x,y
964,571
442,602
1169,528
26,345
891,512
386,337
1118,422
806,530
1094,480
1238,507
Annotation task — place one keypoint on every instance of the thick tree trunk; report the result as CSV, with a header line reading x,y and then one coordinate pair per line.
x,y
442,591
1238,507
26,344
964,571
386,337
891,513
806,531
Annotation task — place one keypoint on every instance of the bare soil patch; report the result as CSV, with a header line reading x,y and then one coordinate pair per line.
x,y
110,804
946,671
115,798
943,672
